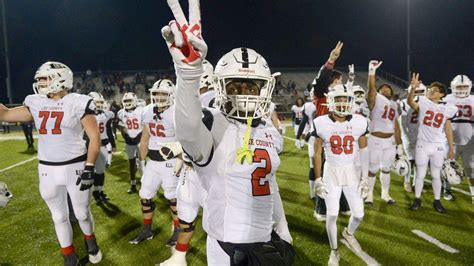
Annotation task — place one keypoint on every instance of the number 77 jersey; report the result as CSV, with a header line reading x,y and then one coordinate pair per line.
x,y
432,118
59,125
340,138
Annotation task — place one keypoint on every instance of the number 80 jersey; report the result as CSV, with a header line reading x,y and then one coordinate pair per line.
x,y
59,125
340,138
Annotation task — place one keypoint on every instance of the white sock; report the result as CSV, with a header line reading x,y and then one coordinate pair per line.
x,y
436,182
371,184
331,229
354,222
385,182
419,180
312,183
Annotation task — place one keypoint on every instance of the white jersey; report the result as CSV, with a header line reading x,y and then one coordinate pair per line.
x,y
131,120
361,109
207,99
409,121
239,205
432,120
463,122
161,126
298,110
309,109
59,125
341,138
102,120
383,115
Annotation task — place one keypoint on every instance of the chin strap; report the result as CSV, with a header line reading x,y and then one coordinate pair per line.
x,y
244,153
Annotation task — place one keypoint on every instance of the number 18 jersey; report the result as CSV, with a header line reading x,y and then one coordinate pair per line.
x,y
340,138
59,125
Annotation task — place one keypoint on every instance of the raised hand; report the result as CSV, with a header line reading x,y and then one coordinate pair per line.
x,y
373,65
351,72
335,53
184,40
415,81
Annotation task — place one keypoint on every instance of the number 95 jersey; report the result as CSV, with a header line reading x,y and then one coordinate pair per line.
x,y
59,125
340,138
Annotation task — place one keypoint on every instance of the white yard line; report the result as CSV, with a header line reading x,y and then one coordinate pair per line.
x,y
434,241
18,164
361,254
453,188
5,138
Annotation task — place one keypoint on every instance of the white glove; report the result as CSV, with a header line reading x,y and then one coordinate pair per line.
x,y
320,188
302,142
373,65
184,40
363,187
297,144
178,166
351,72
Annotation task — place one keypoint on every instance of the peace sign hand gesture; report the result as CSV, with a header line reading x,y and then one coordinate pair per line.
x,y
335,53
184,40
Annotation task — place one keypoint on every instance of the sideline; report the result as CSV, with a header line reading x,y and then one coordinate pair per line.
x,y
18,164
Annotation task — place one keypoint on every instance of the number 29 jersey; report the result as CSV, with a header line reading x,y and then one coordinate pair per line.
x,y
160,126
432,118
340,139
59,125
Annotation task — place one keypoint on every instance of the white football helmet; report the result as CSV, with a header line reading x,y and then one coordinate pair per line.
x,y
207,78
141,103
461,86
453,172
342,108
359,94
129,100
246,65
420,91
58,77
98,100
161,94
401,166
5,194
106,106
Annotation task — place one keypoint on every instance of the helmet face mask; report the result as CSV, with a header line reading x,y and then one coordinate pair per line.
x,y
52,77
359,94
207,78
244,84
129,101
340,101
161,94
461,86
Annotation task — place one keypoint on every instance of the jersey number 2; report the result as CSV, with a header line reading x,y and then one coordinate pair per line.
x,y
45,115
261,189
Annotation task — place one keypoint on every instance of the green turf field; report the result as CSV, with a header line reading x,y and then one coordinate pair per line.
x,y
27,234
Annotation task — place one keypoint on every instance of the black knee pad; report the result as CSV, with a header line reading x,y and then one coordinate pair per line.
x,y
311,175
190,226
148,203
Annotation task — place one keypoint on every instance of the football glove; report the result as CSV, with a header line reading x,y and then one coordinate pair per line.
x,y
363,187
320,188
171,150
351,72
86,179
373,65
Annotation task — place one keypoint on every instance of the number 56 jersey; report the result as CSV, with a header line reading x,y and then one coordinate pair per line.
x,y
160,125
340,138
59,125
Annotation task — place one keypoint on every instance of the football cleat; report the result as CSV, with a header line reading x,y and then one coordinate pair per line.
x,y
174,237
103,196
97,197
415,205
95,255
71,259
388,199
177,259
448,195
144,235
334,258
438,207
369,201
407,187
351,240
132,189
319,217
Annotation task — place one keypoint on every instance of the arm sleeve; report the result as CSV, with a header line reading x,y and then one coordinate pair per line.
x,y
110,135
322,80
191,132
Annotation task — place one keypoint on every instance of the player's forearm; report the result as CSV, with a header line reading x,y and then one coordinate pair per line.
x,y
190,131
372,91
322,79
398,135
411,100
143,145
364,161
449,134
93,148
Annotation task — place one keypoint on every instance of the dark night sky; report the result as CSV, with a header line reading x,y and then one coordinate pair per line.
x,y
125,35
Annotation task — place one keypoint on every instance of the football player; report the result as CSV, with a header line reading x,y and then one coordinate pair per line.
x,y
65,165
110,148
159,143
104,122
434,134
384,134
360,103
338,132
409,130
233,150
463,124
130,123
